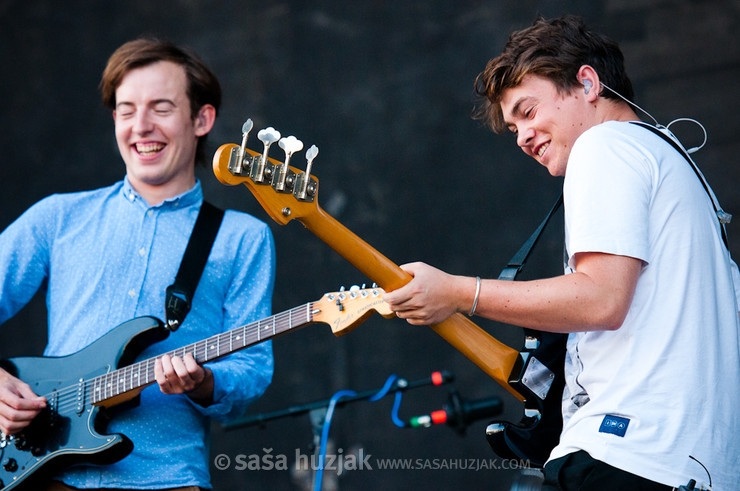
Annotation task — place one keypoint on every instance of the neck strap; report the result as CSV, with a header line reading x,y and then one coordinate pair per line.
x,y
723,217
179,295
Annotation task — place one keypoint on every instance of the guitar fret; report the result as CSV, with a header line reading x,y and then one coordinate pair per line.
x,y
118,381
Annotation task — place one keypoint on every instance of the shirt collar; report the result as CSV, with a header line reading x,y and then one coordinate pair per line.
x,y
192,196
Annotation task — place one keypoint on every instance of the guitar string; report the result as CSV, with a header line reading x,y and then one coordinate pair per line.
x,y
110,382
68,399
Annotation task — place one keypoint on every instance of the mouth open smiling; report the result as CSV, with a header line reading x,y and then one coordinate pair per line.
x,y
149,149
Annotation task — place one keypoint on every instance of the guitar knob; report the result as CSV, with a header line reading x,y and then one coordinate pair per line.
x,y
10,465
21,443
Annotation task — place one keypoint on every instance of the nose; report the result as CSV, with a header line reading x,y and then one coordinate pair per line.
x,y
524,136
142,123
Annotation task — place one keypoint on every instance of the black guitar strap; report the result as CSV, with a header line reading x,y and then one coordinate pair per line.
x,y
179,295
722,216
535,436
516,263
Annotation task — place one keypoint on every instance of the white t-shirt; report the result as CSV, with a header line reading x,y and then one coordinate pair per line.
x,y
658,397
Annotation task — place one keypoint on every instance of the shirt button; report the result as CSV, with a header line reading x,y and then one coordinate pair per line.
x,y
142,251
149,213
132,293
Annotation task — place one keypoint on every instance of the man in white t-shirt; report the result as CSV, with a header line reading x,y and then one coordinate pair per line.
x,y
651,301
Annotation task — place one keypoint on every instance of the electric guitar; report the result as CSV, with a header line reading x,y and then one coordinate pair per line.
x,y
286,193
79,388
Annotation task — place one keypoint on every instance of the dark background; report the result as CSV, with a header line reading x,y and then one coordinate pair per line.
x,y
384,89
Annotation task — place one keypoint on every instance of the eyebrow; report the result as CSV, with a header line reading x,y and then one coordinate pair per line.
x,y
153,103
517,109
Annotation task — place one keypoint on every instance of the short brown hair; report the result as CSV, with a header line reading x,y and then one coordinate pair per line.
x,y
554,49
202,85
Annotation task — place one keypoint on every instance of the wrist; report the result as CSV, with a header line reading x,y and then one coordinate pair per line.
x,y
203,393
476,297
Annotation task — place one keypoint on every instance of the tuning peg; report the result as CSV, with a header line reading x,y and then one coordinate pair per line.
x,y
268,136
311,154
290,145
305,189
246,128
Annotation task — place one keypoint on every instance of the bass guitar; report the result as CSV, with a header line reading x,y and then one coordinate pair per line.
x,y
79,388
287,193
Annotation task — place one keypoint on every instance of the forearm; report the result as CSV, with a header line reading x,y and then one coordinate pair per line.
x,y
596,297
569,303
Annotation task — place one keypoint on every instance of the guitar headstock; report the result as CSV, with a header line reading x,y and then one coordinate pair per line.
x,y
345,310
283,191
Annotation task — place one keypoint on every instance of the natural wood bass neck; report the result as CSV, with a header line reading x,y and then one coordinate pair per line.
x,y
489,354
233,165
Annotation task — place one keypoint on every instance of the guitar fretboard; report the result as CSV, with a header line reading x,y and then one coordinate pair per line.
x,y
141,374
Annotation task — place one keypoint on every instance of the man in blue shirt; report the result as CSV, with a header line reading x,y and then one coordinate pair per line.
x,y
106,256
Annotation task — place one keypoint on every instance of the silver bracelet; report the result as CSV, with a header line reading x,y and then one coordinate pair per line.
x,y
477,294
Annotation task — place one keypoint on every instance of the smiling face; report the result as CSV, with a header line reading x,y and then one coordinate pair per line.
x,y
156,134
547,122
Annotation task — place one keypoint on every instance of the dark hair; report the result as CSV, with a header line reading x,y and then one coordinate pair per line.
x,y
555,49
203,86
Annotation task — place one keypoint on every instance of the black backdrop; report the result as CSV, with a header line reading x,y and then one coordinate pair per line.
x,y
384,89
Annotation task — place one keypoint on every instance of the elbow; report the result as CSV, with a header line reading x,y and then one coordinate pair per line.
x,y
610,317
611,326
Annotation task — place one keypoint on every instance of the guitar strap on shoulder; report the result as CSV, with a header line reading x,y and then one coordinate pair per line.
x,y
179,295
540,378
516,263
723,217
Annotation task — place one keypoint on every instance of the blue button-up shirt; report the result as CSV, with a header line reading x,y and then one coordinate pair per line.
x,y
105,257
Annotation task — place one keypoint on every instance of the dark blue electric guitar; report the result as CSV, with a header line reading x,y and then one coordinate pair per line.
x,y
81,388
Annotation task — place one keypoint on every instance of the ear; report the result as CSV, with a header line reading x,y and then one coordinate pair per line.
x,y
588,77
204,120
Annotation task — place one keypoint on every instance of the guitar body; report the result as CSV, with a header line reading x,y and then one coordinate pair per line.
x,y
69,430
80,388
538,432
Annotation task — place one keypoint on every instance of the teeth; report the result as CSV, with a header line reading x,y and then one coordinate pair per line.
x,y
542,149
149,148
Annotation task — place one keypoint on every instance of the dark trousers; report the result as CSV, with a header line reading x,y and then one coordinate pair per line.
x,y
579,471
